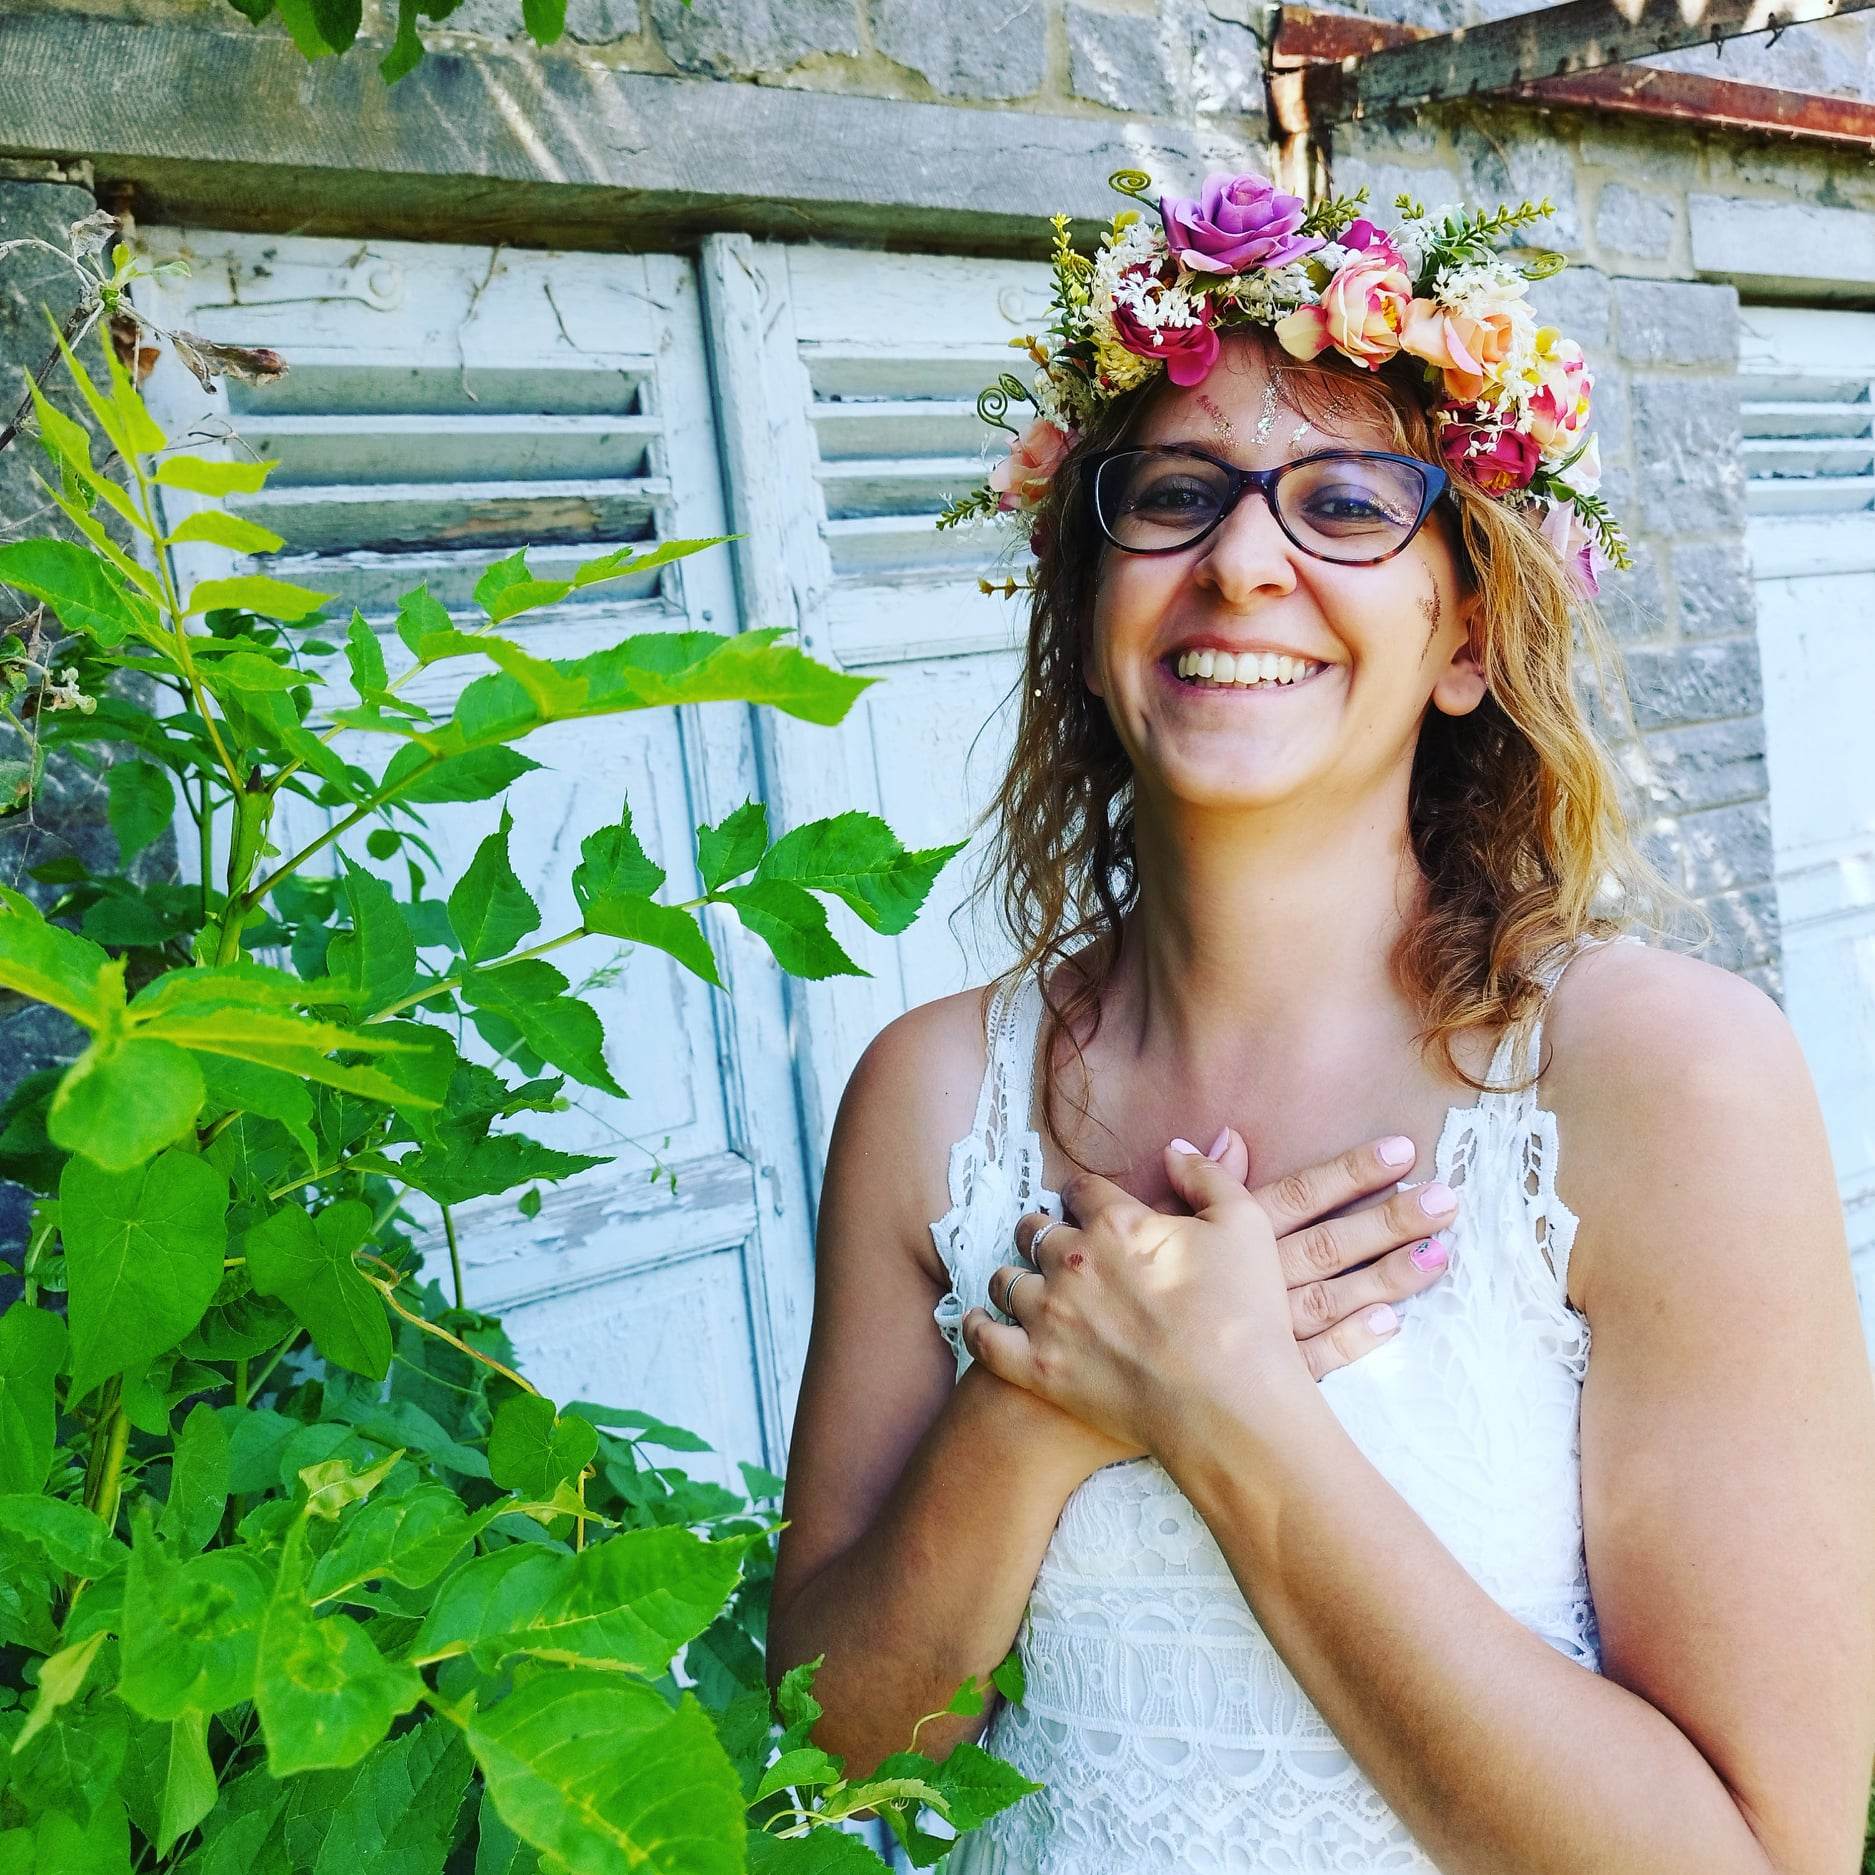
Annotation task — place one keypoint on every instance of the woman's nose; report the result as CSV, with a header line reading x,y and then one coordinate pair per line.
x,y
1248,554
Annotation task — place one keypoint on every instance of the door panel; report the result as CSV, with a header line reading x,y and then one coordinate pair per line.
x,y
443,406
1809,424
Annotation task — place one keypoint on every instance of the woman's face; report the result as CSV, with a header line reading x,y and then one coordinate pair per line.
x,y
1382,640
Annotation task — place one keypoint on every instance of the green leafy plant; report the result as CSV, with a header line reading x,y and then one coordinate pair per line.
x,y
297,1571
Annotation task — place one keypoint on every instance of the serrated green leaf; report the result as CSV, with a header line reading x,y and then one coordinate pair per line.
x,y
824,1852
393,1813
613,860
294,1045
479,775
410,1539
379,955
87,595
218,528
201,475
490,910
498,1850
733,846
454,1169
664,927
545,20
198,1481
532,1448
32,1351
559,1028
308,1264
54,966
860,859
793,924
645,1428
324,1693
124,1099
591,1768
256,592
69,1537
191,1628
62,1678
140,805
629,1602
143,1254
365,656
418,615
247,674
242,1086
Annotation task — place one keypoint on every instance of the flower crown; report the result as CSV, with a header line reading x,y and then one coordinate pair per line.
x,y
1509,397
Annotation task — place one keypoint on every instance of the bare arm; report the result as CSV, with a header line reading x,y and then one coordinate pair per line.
x,y
1728,1481
919,1504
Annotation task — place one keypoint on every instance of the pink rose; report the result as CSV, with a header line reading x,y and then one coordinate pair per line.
x,y
1187,352
1559,410
1577,548
1021,479
1237,222
1464,347
1359,314
1497,460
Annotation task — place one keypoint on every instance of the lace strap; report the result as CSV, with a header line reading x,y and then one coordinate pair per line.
x,y
1549,973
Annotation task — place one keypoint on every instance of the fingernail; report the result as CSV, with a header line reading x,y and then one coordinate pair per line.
x,y
1396,1151
1381,1319
1429,1255
1218,1144
1185,1145
1436,1199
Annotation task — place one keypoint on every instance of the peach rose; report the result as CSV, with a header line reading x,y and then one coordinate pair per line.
x,y
1021,479
1464,347
1360,313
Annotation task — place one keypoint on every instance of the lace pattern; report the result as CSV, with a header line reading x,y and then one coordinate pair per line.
x,y
1170,1735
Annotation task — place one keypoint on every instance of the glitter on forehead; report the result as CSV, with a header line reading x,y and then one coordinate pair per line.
x,y
1266,418
1301,430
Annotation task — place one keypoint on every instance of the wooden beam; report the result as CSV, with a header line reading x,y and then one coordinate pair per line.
x,y
1552,42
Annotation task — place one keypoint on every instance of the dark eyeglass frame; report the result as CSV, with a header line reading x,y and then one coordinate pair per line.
x,y
1434,482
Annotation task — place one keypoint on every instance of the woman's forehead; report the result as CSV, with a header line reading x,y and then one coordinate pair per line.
x,y
1242,401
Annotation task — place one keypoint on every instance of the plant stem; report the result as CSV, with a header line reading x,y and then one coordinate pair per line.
x,y
454,982
388,1291
205,830
245,1395
240,1380
254,895
108,1443
455,1253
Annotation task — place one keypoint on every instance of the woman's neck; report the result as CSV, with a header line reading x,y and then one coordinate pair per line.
x,y
1282,932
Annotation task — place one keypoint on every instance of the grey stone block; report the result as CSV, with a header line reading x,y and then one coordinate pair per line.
x,y
1729,847
1676,322
1118,59
1634,604
1705,765
1712,582
1384,180
1688,474
1745,929
1225,65
1675,684
746,38
965,48
1383,139
1577,300
591,22
1630,222
1520,163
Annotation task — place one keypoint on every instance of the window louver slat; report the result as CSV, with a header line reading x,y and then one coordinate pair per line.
x,y
1808,443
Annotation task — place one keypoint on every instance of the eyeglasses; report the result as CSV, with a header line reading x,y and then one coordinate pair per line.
x,y
1355,507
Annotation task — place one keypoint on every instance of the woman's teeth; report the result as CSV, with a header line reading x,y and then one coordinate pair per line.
x,y
1243,670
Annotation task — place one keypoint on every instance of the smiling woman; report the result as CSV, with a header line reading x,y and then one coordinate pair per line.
x,y
1324,1543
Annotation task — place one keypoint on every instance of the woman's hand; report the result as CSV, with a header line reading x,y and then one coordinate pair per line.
x,y
1137,1318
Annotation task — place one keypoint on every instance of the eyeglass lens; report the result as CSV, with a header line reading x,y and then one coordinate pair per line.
x,y
1348,508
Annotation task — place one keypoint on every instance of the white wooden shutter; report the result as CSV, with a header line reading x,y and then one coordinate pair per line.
x,y
1809,441
445,405
864,369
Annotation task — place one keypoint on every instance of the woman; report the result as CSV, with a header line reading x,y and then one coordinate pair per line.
x,y
1325,1544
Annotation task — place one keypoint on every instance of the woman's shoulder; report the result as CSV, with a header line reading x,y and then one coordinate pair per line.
x,y
1653,1057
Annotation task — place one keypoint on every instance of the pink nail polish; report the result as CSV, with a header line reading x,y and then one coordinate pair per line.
x,y
1436,1199
1396,1151
1218,1144
1381,1319
1429,1255
1185,1145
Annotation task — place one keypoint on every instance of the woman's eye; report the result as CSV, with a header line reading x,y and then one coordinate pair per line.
x,y
1349,504
1174,497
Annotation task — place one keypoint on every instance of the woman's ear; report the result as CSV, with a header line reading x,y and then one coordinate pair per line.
x,y
1461,685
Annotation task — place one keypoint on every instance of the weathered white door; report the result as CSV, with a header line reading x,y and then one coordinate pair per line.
x,y
1809,424
853,376
445,405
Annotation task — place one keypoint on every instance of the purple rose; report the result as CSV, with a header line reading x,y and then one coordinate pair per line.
x,y
1239,222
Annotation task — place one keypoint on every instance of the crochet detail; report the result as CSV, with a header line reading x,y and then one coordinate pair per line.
x,y
1170,1734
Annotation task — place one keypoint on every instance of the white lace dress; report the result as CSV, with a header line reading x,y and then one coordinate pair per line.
x,y
1170,1735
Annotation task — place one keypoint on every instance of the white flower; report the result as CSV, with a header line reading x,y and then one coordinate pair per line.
x,y
65,694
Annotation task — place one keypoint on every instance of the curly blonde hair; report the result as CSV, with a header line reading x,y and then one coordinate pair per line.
x,y
1514,811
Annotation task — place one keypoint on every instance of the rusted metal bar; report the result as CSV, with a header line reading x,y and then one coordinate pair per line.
x,y
1552,42
1305,38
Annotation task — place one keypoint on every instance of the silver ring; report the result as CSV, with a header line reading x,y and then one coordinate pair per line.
x,y
1035,1242
1010,1293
